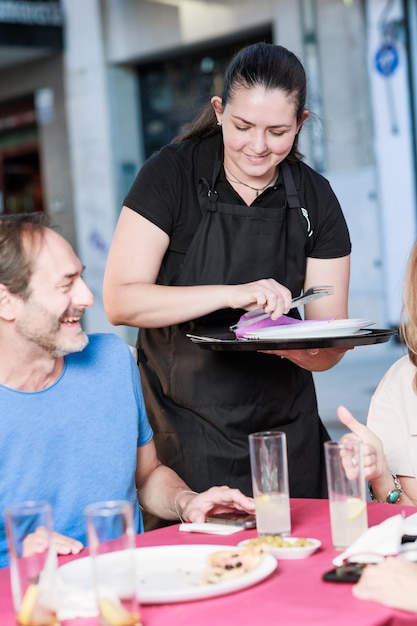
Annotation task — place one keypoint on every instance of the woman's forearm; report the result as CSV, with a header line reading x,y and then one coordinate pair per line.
x,y
155,306
148,305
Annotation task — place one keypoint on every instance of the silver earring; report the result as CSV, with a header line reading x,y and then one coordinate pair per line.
x,y
219,122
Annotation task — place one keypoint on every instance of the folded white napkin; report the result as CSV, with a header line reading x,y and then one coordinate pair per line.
x,y
68,600
410,525
74,601
381,540
211,529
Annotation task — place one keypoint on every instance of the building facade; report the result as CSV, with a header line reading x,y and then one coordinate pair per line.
x,y
127,74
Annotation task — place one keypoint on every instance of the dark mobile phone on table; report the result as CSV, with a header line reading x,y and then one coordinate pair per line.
x,y
244,520
346,573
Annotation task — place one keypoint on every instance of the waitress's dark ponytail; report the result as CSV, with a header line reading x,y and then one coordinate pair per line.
x,y
261,64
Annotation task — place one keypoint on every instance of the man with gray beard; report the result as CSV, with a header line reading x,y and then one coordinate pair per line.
x,y
73,424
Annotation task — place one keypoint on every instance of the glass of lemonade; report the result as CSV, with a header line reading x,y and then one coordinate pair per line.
x,y
269,469
111,539
29,528
346,487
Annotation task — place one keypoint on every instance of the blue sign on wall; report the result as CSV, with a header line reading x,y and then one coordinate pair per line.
x,y
386,59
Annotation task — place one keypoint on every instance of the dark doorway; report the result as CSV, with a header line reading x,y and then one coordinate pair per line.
x,y
173,89
20,167
22,182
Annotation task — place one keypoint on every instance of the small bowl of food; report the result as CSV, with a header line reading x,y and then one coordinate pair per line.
x,y
286,547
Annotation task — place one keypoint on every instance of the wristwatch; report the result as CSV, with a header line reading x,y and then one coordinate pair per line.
x,y
394,495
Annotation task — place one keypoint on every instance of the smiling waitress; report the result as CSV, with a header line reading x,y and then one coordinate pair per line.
x,y
227,219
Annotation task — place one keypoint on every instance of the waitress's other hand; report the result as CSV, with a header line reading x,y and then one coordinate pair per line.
x,y
266,294
196,507
313,360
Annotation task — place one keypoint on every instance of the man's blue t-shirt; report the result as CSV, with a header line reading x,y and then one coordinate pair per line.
x,y
75,442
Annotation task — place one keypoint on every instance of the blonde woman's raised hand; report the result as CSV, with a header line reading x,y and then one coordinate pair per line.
x,y
373,451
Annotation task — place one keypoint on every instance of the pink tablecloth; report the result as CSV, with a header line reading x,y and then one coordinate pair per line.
x,y
294,595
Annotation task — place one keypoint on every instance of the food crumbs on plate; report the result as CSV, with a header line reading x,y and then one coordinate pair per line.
x,y
228,564
115,614
276,541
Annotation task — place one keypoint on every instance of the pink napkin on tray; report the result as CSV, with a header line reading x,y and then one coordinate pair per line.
x,y
266,323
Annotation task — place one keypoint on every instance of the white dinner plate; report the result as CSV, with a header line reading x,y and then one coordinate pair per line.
x,y
170,573
325,328
301,552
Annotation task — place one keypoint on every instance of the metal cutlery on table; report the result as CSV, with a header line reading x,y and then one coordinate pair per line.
x,y
312,293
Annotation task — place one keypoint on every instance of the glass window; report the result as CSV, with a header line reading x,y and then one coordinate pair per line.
x,y
175,89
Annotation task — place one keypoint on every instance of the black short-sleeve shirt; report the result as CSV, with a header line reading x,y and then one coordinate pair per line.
x,y
165,192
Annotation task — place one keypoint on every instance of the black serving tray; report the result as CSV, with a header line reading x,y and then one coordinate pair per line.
x,y
226,341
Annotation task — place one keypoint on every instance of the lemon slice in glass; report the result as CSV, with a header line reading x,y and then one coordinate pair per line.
x,y
30,600
356,507
115,614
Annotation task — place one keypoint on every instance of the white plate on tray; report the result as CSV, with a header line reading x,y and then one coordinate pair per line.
x,y
289,552
325,328
170,573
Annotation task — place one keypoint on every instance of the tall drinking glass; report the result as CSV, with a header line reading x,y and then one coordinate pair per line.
x,y
347,491
111,539
269,469
29,528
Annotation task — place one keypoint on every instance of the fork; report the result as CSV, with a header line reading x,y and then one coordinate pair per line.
x,y
312,293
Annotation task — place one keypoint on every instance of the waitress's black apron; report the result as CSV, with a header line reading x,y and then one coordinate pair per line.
x,y
203,404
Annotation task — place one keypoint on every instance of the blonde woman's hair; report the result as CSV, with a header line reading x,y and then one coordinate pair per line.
x,y
408,325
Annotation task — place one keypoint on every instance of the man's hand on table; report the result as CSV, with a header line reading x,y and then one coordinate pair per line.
x,y
196,507
38,541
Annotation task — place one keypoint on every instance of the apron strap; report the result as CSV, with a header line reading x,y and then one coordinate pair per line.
x,y
210,192
210,189
293,201
289,184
